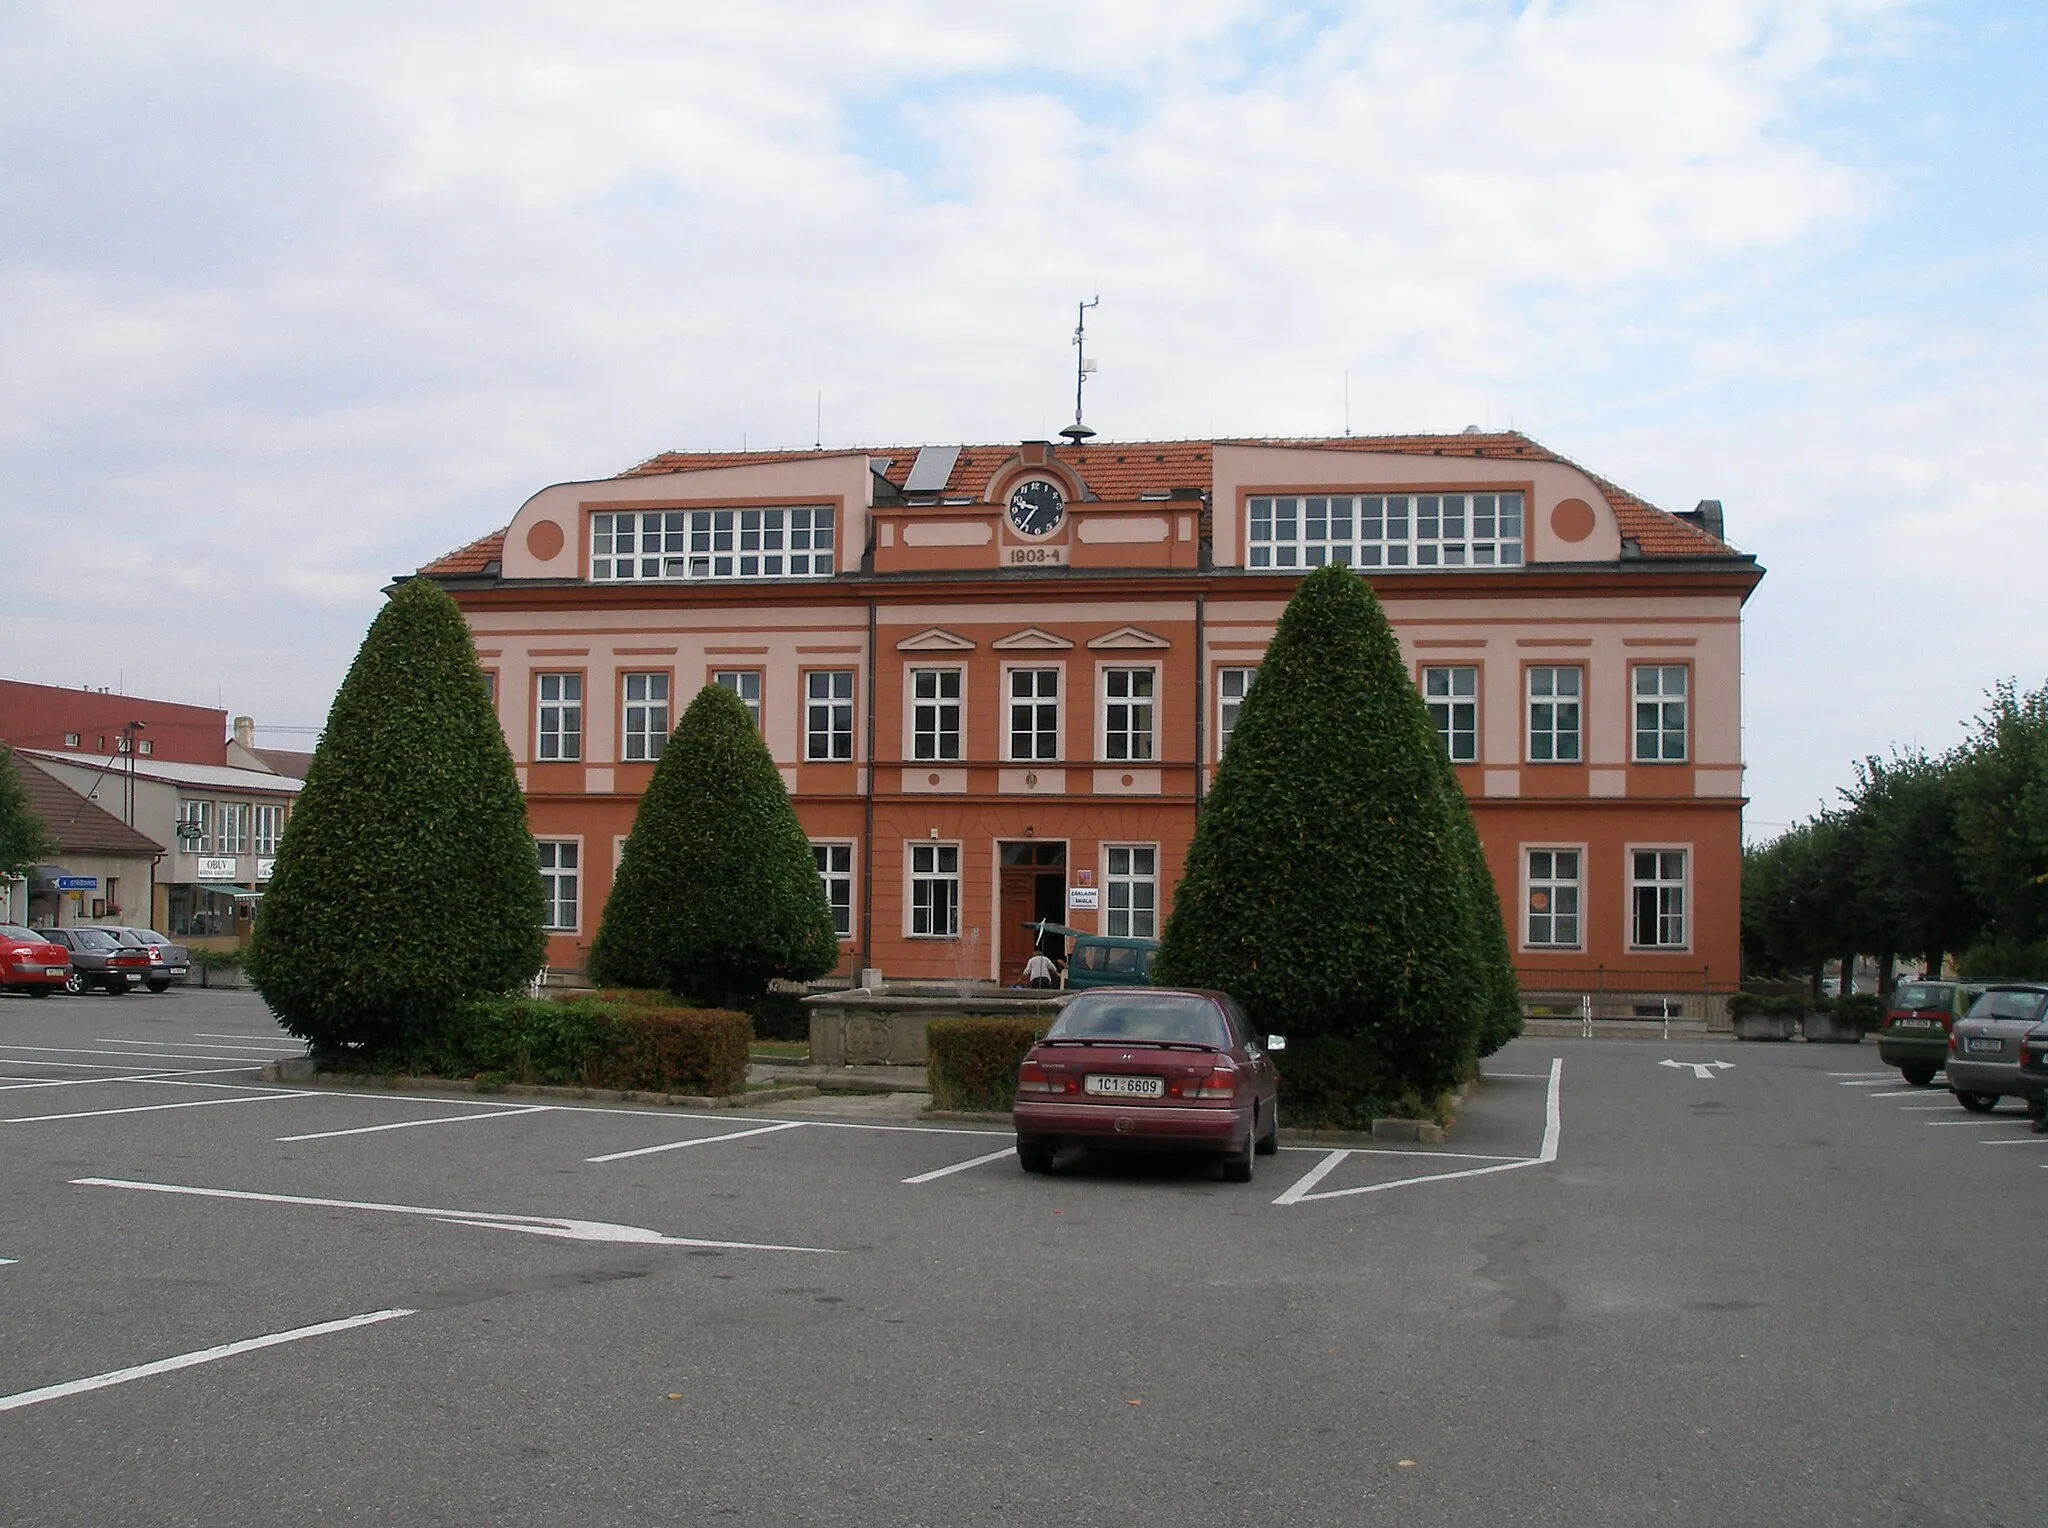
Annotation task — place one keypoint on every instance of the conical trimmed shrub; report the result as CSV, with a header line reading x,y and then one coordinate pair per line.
x,y
718,891
1329,886
406,883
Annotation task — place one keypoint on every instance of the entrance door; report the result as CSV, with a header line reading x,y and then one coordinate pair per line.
x,y
1034,890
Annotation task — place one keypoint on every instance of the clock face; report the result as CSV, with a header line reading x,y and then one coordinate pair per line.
x,y
1037,507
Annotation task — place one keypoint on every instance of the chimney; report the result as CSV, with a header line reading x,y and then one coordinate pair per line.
x,y
245,732
1707,516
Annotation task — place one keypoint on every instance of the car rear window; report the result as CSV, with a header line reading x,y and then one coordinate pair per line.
x,y
16,931
95,938
2010,1005
1160,1020
1922,995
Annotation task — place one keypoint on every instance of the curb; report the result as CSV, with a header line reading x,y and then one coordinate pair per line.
x,y
301,1072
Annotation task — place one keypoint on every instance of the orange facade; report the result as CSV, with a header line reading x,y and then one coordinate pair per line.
x,y
997,679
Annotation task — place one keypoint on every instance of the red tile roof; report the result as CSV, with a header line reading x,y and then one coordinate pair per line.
x,y
79,826
1121,471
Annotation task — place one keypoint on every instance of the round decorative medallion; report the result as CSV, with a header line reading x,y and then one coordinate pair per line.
x,y
931,779
1571,520
1031,778
544,540
1130,780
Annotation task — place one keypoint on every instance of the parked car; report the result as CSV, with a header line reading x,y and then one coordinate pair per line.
x,y
30,963
1149,1068
99,959
168,962
1984,1045
1099,960
2031,1080
1914,1036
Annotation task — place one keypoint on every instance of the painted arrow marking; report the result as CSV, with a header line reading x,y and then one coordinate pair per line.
x,y
1704,1069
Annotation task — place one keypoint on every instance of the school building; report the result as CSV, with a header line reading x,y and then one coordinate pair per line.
x,y
997,679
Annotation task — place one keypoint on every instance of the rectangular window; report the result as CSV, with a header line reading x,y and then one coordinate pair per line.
x,y
1385,531
146,746
561,716
558,877
269,828
935,713
1554,695
745,683
646,718
711,543
935,891
1657,899
835,869
1231,684
195,827
828,715
1553,899
232,827
70,740
1452,695
1034,714
1131,878
1660,713
491,686
1127,713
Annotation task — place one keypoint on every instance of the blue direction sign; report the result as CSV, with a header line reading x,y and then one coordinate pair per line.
x,y
78,883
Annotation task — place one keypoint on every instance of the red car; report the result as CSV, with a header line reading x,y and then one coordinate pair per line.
x,y
30,963
1149,1068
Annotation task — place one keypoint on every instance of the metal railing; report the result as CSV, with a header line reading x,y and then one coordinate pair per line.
x,y
1595,995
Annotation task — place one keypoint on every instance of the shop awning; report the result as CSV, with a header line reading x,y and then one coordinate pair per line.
x,y
226,889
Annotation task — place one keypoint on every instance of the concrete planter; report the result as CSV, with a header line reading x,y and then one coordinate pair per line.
x,y
869,1027
233,977
1765,1026
1830,1030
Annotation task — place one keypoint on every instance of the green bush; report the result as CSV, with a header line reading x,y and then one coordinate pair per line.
x,y
1862,1010
1333,885
718,891
971,1064
220,960
406,885
1785,1005
780,1016
24,837
2011,960
617,1041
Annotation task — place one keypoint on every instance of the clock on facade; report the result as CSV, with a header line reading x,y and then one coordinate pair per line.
x,y
1037,507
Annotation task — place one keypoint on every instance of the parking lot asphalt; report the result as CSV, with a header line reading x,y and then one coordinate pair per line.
x,y
1791,1290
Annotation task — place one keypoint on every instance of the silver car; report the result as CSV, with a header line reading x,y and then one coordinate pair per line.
x,y
168,962
1984,1046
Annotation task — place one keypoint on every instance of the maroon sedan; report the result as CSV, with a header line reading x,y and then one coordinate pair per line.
x,y
30,963
1149,1068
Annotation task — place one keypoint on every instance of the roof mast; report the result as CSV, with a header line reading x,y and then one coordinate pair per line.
x,y
1077,432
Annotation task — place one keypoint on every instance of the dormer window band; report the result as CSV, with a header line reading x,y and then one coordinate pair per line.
x,y
711,544
1428,530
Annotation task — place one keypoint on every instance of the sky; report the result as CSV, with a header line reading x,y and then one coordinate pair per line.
x,y
295,298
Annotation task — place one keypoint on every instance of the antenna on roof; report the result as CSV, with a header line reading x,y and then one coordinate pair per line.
x,y
1078,432
1347,403
818,439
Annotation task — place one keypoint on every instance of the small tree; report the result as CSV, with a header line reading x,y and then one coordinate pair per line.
x,y
407,882
1330,884
718,891
24,837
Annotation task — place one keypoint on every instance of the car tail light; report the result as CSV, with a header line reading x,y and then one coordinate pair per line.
x,y
1953,1048
1033,1078
1217,1082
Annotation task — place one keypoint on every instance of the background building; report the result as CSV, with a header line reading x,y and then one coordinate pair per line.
x,y
997,679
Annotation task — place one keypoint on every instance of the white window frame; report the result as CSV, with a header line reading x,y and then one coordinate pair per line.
x,y
1130,894
1669,712
200,812
1447,702
231,827
936,721
268,828
644,720
745,683
1484,530
830,704
1673,896
1551,884
558,719
692,545
1035,704
1552,698
1107,681
930,868
824,851
1229,705
552,874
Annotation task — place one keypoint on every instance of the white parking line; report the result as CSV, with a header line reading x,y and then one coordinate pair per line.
x,y
197,1103
414,1124
1553,1132
961,1167
271,1051
91,1082
79,1050
702,1140
2029,1141
1902,1093
282,1039
1860,1074
1982,1122
188,1360
1875,1082
489,1220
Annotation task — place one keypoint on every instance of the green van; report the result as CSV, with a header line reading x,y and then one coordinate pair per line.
x,y
1104,960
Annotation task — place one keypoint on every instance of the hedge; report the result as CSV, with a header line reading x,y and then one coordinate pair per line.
x,y
628,1041
971,1064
